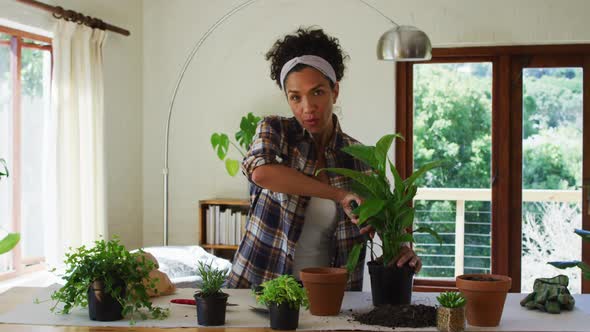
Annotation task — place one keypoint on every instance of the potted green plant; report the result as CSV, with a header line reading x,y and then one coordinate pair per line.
x,y
387,208
220,142
11,239
283,296
485,295
109,280
450,316
211,301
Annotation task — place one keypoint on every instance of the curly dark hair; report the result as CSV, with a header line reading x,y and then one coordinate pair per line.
x,y
306,41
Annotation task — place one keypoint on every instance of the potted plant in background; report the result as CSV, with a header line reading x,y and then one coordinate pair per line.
x,y
211,301
388,209
283,296
485,295
585,235
11,239
450,316
109,280
220,142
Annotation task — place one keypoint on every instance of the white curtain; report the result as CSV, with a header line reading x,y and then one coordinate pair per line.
x,y
77,110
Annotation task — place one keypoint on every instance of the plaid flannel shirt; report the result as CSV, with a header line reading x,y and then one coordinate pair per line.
x,y
275,219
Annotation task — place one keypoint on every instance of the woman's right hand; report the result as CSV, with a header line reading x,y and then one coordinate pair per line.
x,y
346,203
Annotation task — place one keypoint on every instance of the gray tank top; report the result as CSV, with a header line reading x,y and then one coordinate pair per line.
x,y
313,247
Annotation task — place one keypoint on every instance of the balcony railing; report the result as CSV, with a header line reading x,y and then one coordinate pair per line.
x,y
460,196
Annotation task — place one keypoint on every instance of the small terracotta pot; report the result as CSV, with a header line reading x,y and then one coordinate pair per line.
x,y
450,319
485,297
325,289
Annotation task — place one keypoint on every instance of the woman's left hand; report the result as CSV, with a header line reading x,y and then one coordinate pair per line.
x,y
407,255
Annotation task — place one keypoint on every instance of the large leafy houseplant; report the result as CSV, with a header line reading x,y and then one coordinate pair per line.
x,y
220,142
387,208
121,272
11,239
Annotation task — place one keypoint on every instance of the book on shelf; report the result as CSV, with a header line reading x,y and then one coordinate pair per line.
x,y
224,225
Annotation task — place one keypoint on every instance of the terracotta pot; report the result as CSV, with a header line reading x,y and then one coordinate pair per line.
x,y
450,319
325,289
485,298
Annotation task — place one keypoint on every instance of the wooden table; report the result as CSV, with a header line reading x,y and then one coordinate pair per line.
x,y
515,318
24,328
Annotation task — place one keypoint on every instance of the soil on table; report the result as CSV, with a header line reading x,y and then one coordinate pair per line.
x,y
481,279
399,316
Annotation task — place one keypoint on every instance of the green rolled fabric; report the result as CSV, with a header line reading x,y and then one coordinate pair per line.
x,y
550,295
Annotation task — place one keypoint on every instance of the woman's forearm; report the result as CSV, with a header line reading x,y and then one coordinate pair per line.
x,y
287,180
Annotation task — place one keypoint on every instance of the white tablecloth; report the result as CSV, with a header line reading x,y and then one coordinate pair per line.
x,y
17,307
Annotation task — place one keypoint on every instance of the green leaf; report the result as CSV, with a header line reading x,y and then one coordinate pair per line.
x,y
585,235
381,149
364,153
8,242
399,183
408,197
407,217
406,237
220,143
372,184
361,190
3,165
232,166
564,264
417,174
353,257
370,208
247,130
425,229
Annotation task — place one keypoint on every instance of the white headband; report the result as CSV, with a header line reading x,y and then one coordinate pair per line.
x,y
311,60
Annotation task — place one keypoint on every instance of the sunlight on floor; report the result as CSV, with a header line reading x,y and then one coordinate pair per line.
x,y
34,279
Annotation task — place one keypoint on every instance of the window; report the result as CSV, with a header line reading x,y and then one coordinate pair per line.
x,y
515,124
25,76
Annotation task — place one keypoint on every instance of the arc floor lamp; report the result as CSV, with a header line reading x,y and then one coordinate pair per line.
x,y
401,43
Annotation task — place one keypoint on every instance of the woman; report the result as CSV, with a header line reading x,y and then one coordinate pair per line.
x,y
299,218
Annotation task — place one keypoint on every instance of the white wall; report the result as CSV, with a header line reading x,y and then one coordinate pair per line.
x,y
123,103
229,76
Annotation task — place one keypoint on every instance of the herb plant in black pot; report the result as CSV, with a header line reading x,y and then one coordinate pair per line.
x,y
388,209
283,296
109,280
211,301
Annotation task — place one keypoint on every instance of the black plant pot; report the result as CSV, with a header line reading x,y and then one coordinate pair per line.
x,y
283,317
391,284
211,309
101,305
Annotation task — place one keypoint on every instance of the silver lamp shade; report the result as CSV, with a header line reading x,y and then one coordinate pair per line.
x,y
404,43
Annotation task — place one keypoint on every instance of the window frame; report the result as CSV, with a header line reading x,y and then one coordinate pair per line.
x,y
16,44
506,168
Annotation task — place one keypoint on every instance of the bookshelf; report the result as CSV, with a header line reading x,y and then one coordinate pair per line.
x,y
211,239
